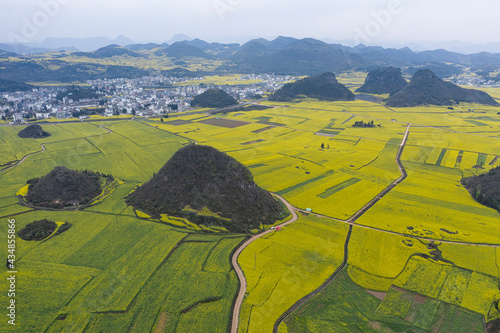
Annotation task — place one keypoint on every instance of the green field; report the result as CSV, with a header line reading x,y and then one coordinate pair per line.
x,y
345,307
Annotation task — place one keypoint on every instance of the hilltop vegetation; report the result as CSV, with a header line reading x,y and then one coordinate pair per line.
x,y
323,87
34,131
384,80
426,88
213,98
485,188
77,93
207,187
63,187
9,85
41,229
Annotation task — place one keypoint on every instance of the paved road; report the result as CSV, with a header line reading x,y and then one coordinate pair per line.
x,y
239,272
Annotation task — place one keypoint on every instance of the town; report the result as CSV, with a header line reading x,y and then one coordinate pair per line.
x,y
148,96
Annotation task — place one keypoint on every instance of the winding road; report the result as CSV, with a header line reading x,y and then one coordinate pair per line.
x,y
239,272
24,158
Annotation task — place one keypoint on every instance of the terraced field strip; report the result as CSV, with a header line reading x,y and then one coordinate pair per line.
x,y
441,157
459,159
287,190
475,122
338,187
481,159
349,119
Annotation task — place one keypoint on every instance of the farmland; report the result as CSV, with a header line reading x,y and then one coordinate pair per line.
x,y
427,249
78,279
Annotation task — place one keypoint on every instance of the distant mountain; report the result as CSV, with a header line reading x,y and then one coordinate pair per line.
x,y
140,47
7,54
285,56
213,98
207,187
426,88
55,70
385,80
114,50
181,50
179,38
216,49
82,44
108,52
442,70
380,56
281,42
65,44
23,49
8,85
443,55
323,87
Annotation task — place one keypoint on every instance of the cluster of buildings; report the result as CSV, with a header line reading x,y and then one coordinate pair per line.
x,y
476,81
146,96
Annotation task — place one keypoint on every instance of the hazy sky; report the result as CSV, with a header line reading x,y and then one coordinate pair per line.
x,y
238,20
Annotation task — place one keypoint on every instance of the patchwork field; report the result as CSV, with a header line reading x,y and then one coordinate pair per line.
x,y
345,307
422,259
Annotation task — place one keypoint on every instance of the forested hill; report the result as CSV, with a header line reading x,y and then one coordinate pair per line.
x,y
485,188
426,88
384,80
323,87
207,187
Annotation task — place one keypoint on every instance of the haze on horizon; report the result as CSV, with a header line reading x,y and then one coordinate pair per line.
x,y
368,21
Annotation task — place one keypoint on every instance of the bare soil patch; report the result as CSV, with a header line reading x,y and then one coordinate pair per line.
x,y
228,123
